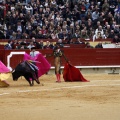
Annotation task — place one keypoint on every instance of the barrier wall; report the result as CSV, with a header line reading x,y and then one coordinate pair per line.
x,y
78,57
2,55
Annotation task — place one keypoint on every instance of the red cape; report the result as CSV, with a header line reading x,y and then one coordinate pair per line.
x,y
72,74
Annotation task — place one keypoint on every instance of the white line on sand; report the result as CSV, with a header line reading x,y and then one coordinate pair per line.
x,y
105,80
70,87
4,94
52,89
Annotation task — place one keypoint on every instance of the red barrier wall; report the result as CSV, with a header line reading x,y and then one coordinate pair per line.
x,y
2,55
78,57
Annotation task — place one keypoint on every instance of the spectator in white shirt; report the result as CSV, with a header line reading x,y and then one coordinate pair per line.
x,y
99,33
29,8
31,45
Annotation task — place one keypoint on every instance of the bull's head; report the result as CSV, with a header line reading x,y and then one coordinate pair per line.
x,y
15,75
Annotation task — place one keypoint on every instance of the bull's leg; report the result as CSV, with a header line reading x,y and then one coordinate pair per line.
x,y
37,80
35,77
31,82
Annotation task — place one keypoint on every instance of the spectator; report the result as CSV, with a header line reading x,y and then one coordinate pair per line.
x,y
29,8
53,35
41,45
99,45
60,43
116,39
82,10
108,28
21,47
111,34
9,45
18,35
92,6
24,42
95,16
105,6
13,36
78,41
84,34
88,45
19,27
1,32
31,45
116,29
99,33
88,14
60,35
5,35
51,45
9,31
35,42
77,35
47,45
117,18
106,33
69,37
44,32
29,30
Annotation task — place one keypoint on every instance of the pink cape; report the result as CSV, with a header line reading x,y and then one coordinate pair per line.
x,y
3,68
40,62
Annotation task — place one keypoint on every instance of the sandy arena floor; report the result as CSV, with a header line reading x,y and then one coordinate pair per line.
x,y
98,99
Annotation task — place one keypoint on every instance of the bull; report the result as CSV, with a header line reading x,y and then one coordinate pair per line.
x,y
28,70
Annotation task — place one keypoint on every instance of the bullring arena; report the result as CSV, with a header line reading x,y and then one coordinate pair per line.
x,y
98,99
88,32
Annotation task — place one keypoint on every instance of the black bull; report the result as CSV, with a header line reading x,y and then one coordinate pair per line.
x,y
27,70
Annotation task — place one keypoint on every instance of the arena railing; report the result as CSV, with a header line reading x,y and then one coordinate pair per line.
x,y
81,58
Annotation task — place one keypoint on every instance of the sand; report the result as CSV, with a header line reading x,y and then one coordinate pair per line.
x,y
98,99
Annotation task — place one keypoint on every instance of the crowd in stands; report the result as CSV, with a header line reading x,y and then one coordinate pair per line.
x,y
63,20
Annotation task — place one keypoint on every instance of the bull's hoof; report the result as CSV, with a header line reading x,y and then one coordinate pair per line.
x,y
31,85
38,82
14,79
